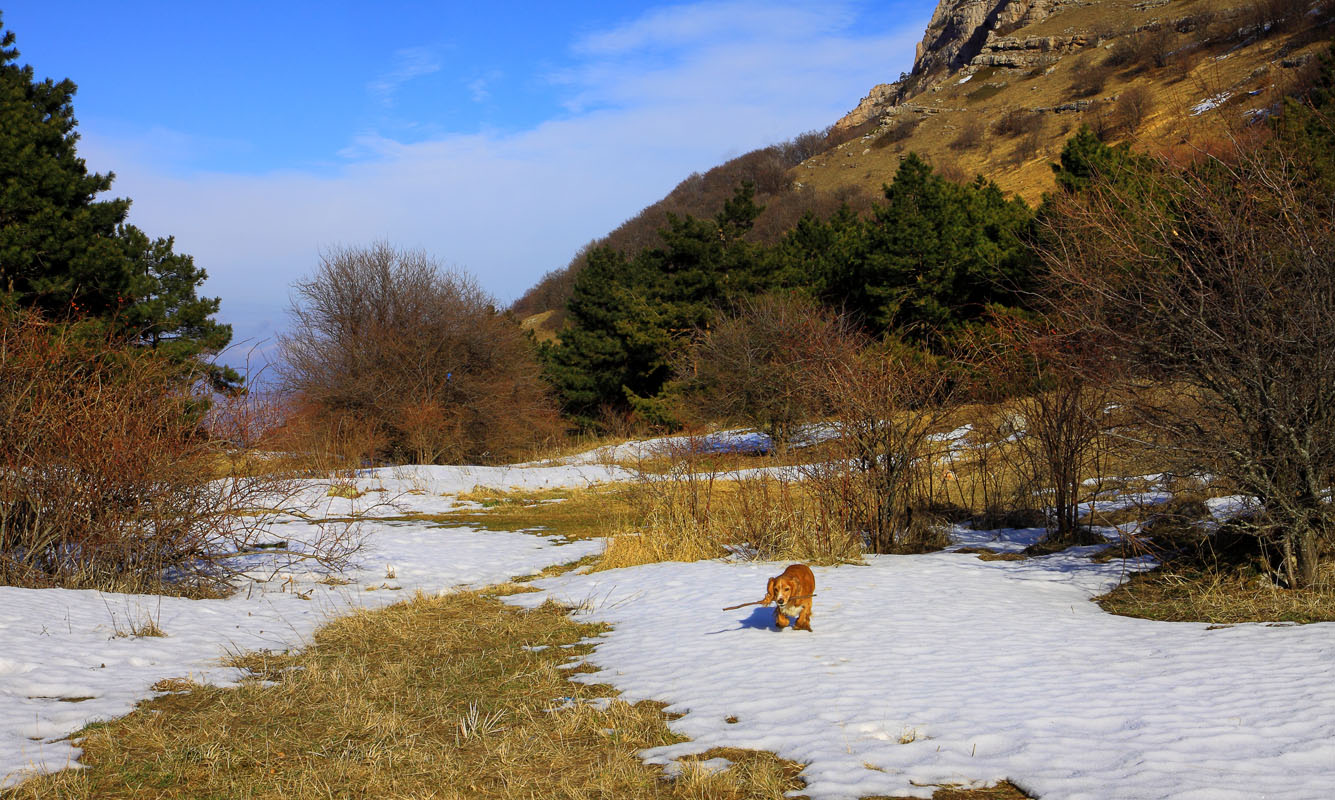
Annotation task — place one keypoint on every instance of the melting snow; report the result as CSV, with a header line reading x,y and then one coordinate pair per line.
x,y
67,661
943,668
922,670
1209,103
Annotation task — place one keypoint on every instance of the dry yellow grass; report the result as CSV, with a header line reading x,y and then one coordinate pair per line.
x,y
691,517
542,325
442,697
572,513
437,697
1181,595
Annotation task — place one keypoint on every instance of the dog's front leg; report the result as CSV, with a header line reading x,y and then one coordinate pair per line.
x,y
779,619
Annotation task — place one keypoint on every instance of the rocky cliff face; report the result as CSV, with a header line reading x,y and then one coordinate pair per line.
x,y
960,32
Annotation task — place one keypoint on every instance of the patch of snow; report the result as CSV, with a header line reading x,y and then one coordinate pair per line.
x,y
1119,502
942,668
951,436
730,441
1210,103
1225,508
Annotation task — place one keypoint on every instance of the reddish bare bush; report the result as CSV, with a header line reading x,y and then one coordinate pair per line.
x,y
1056,396
386,340
757,366
107,479
1133,107
886,401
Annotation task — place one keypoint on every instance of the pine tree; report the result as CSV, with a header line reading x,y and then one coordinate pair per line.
x,y
70,256
931,258
1085,157
629,317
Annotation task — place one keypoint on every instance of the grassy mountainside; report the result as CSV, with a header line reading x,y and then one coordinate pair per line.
x,y
997,89
1168,77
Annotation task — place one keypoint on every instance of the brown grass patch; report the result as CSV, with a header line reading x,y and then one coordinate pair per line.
x,y
692,517
572,513
988,554
1235,596
436,697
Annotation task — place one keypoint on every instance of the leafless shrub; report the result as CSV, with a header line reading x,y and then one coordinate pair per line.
x,y
109,478
388,349
886,402
1153,48
1133,106
1029,146
971,133
1090,79
897,132
757,365
1056,398
1018,122
951,171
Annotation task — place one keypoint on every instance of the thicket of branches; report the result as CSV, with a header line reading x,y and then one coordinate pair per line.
x,y
1214,286
414,359
759,366
107,478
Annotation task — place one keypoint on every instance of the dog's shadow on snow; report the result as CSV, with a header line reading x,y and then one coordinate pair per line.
x,y
759,619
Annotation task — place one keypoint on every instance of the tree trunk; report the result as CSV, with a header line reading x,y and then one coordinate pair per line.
x,y
1301,556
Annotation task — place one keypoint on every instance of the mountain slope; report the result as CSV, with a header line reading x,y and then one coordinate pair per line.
x,y
997,88
1001,97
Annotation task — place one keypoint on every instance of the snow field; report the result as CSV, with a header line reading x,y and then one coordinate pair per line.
x,y
944,669
922,670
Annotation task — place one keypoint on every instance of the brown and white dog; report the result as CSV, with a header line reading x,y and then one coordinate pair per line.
x,y
791,594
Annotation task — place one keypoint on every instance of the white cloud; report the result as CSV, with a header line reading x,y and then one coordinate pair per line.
x,y
409,63
722,78
479,88
696,23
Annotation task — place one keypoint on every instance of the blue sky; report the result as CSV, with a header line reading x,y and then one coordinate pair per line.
x,y
498,137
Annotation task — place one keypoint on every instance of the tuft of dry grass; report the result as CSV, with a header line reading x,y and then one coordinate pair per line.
x,y
988,554
450,697
1005,790
1219,597
691,516
572,513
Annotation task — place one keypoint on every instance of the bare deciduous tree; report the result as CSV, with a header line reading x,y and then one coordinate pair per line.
x,y
1217,284
387,337
758,366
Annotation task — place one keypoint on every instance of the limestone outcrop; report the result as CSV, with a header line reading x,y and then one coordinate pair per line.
x,y
963,33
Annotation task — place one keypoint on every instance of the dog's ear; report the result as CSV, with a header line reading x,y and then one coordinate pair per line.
x,y
769,589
